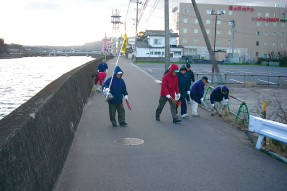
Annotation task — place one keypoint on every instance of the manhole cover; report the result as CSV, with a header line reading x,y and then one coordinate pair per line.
x,y
129,141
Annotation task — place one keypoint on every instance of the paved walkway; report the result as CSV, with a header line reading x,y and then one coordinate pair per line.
x,y
198,154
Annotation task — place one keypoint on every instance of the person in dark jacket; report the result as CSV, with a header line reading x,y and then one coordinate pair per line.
x,y
219,99
196,94
118,91
103,67
191,79
169,91
184,85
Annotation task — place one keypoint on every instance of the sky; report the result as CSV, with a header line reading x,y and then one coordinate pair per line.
x,y
76,22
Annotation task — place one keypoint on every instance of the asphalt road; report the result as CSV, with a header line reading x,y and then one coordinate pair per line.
x,y
234,74
198,154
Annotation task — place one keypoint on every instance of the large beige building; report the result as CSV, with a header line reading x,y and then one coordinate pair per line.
x,y
258,32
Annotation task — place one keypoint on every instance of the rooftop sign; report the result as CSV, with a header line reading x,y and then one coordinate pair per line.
x,y
240,8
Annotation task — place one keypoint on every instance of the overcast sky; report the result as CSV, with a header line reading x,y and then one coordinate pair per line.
x,y
75,22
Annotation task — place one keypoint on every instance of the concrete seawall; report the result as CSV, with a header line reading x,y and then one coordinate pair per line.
x,y
35,138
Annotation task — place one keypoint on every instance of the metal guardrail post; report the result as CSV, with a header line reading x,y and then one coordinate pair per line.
x,y
243,108
206,91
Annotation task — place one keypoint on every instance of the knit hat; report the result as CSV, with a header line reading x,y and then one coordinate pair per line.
x,y
188,65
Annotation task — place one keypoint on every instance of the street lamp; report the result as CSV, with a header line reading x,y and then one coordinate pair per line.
x,y
220,12
212,12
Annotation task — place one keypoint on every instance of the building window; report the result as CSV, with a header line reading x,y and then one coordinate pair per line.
x,y
184,41
185,10
230,12
258,24
162,53
257,43
274,34
281,44
265,33
258,14
157,53
266,24
157,41
229,42
267,14
207,21
208,31
282,33
218,42
229,32
151,53
283,15
273,44
195,31
257,33
195,21
256,54
265,43
218,22
282,24
195,41
177,53
185,21
184,30
274,24
218,31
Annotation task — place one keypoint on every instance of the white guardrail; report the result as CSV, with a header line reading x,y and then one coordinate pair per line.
x,y
267,128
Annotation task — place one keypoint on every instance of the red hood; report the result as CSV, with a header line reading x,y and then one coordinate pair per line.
x,y
172,68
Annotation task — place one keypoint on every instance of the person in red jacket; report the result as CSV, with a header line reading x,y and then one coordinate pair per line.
x,y
169,90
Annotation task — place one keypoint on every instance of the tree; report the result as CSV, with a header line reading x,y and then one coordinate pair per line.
x,y
2,45
2,42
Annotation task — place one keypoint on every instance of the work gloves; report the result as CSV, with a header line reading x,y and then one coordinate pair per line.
x,y
212,105
177,97
188,93
225,102
168,96
201,100
126,97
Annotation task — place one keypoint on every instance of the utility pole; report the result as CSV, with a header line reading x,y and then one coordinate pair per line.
x,y
207,42
167,35
233,31
215,33
136,35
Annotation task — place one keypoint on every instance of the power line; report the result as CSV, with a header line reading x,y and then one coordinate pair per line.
x,y
152,11
127,15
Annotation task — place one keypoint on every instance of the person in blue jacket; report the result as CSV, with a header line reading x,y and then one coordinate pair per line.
x,y
219,96
118,91
196,94
184,85
103,67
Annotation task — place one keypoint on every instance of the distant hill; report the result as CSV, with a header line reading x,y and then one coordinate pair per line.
x,y
96,45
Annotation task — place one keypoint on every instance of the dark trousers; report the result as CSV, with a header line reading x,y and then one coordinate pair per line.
x,y
121,113
183,105
162,102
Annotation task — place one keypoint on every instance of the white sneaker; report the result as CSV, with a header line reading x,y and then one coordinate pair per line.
x,y
184,116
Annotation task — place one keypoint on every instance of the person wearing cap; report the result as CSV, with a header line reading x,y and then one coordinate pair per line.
x,y
118,91
102,74
169,93
191,79
103,67
196,94
219,99
184,85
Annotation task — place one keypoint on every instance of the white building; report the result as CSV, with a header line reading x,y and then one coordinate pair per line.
x,y
153,46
